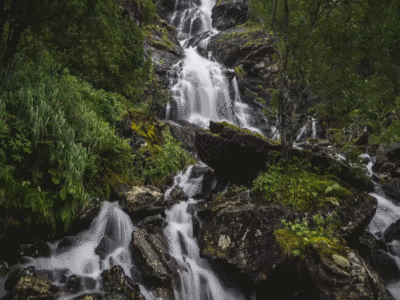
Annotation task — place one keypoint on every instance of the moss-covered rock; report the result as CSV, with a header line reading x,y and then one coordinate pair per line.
x,y
29,287
340,273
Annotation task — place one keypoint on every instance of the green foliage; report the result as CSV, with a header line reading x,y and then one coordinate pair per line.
x,y
168,159
295,236
294,186
239,72
346,52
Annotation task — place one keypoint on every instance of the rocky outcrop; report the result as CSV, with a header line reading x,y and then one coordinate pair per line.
x,y
241,233
157,268
339,273
241,229
29,287
144,201
387,170
162,46
229,13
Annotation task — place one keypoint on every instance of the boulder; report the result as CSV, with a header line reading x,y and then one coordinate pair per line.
x,y
29,287
143,201
242,229
339,273
229,13
235,154
176,195
238,231
114,281
158,268
392,189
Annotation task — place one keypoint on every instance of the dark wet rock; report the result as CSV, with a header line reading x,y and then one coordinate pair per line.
x,y
29,287
133,9
241,233
153,224
159,269
234,154
66,243
40,249
177,194
116,282
74,283
161,44
61,275
88,213
16,275
392,189
185,132
374,251
392,232
89,283
4,269
47,275
240,229
144,201
227,13
339,273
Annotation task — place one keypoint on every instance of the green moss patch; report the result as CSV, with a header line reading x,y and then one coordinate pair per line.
x,y
296,187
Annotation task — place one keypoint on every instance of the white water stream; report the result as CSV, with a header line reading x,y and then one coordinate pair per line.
x,y
202,92
198,282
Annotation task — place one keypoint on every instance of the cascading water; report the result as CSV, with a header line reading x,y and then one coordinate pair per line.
x,y
198,281
387,214
202,92
88,254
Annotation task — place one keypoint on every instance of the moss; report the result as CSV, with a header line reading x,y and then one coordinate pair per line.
x,y
293,186
288,242
327,249
158,36
232,194
244,131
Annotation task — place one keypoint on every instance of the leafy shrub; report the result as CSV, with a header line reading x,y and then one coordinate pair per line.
x,y
168,159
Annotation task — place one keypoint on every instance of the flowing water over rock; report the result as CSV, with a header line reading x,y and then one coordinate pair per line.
x,y
204,90
88,254
198,281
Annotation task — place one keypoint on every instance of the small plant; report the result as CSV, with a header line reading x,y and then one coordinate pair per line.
x,y
240,72
296,235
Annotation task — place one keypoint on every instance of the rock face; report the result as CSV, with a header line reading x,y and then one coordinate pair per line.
x,y
144,201
157,268
241,229
242,234
229,149
339,273
30,287
229,13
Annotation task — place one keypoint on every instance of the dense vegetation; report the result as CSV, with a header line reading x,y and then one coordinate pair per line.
x,y
76,80
347,52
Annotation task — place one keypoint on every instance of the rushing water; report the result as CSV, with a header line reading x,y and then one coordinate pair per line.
x,y
198,282
202,91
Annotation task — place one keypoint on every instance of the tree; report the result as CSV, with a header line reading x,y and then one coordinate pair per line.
x,y
17,16
330,47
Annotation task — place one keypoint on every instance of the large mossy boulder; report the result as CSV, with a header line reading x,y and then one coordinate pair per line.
x,y
235,154
339,273
229,13
144,201
245,229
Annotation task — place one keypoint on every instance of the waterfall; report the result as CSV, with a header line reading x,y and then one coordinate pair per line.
x,y
202,91
88,254
386,214
199,282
